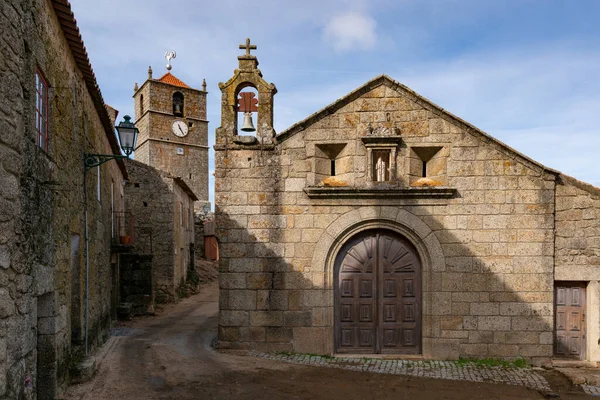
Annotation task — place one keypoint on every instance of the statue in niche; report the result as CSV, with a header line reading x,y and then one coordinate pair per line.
x,y
380,169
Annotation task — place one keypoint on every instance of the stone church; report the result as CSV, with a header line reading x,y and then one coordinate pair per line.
x,y
383,224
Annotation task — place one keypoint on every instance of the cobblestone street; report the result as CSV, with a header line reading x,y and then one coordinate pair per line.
x,y
528,377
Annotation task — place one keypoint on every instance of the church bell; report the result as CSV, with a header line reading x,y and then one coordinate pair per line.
x,y
248,126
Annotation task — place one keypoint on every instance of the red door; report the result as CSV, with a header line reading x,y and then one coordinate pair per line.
x,y
378,295
570,320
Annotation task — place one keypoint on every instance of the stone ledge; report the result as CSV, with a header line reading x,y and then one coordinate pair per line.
x,y
379,193
236,146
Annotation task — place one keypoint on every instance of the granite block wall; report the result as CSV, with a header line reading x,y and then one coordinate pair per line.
x,y
487,251
41,245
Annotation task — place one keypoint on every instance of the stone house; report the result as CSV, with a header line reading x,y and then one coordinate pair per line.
x,y
51,112
383,224
163,210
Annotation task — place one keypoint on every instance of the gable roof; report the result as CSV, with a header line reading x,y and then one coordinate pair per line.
x,y
171,79
68,25
415,97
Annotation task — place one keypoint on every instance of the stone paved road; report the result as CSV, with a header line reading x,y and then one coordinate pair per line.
x,y
168,356
528,377
591,390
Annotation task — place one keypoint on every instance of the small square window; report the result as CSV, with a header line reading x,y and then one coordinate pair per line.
x,y
41,111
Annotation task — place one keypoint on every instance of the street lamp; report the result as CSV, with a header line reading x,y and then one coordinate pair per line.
x,y
127,136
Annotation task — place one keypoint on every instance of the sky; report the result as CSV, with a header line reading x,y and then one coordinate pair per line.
x,y
525,71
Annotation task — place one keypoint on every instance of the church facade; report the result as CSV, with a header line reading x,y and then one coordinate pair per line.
x,y
382,224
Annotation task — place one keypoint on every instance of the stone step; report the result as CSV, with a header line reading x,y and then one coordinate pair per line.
x,y
560,363
84,370
125,310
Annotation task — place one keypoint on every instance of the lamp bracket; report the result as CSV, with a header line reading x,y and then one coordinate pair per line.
x,y
91,160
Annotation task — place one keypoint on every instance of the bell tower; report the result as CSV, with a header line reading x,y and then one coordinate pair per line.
x,y
246,99
173,129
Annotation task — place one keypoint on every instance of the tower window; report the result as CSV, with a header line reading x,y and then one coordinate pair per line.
x,y
333,167
141,105
178,104
424,173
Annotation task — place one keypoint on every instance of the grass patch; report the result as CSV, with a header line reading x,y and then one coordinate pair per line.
x,y
493,362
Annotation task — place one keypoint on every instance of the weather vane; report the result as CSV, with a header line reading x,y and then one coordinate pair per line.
x,y
169,55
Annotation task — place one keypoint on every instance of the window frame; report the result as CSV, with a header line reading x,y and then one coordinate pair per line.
x,y
42,111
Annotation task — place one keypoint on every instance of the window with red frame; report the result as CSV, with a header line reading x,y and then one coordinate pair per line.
x,y
41,110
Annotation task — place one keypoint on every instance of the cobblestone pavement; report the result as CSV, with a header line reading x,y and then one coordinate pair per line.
x,y
428,369
593,390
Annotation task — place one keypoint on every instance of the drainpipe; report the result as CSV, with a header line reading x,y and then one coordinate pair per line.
x,y
87,253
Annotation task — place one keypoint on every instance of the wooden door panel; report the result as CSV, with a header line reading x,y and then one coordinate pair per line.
x,y
569,320
355,297
378,295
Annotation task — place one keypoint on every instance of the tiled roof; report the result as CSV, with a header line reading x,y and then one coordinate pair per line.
x,y
68,24
171,79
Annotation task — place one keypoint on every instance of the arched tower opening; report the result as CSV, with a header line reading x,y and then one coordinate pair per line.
x,y
178,104
247,109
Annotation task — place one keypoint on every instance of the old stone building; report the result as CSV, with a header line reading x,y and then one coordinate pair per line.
x,y
383,224
51,112
163,206
171,117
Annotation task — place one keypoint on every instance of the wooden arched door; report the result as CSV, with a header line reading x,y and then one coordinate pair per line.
x,y
378,295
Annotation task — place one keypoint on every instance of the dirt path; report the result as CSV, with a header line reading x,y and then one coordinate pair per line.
x,y
168,356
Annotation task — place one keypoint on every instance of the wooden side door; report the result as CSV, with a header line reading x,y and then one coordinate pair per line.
x,y
570,320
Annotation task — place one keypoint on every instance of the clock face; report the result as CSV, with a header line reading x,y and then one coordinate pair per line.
x,y
180,128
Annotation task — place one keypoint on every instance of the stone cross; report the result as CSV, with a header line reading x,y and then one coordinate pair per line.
x,y
248,46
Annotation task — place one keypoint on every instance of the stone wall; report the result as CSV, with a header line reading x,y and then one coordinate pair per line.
x,y
136,282
41,237
577,230
183,234
487,252
577,248
156,200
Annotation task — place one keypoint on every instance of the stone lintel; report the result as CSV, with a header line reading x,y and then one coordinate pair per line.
x,y
245,140
236,146
379,193
381,140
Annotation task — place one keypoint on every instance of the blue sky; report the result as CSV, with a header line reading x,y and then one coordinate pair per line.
x,y
525,71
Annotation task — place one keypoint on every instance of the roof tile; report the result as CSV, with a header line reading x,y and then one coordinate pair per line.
x,y
171,79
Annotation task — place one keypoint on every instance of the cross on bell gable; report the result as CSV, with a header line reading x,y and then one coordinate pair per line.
x,y
247,102
248,46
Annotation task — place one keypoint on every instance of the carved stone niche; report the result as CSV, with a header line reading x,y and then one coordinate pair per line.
x,y
382,145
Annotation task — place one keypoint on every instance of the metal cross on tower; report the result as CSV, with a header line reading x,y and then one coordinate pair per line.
x,y
248,46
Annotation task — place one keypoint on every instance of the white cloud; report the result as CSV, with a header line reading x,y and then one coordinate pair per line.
x,y
351,31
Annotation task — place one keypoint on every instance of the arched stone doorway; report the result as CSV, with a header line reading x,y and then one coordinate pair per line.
x,y
378,295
